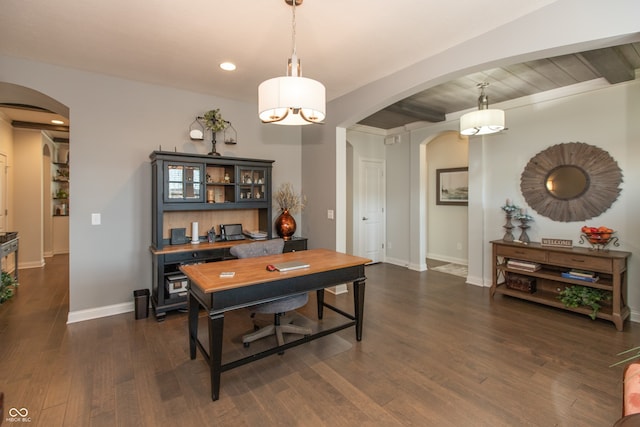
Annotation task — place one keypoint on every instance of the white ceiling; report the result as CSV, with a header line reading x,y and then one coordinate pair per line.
x,y
345,44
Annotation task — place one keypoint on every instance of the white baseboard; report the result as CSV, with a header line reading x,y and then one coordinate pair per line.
x,y
339,289
395,261
476,281
445,258
418,267
95,313
404,263
31,264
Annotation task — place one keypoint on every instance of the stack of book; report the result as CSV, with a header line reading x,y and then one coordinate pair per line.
x,y
523,265
256,235
587,276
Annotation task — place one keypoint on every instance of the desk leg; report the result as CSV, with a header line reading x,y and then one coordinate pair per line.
x,y
193,307
320,301
216,326
358,306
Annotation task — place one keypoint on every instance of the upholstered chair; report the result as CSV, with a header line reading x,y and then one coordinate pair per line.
x,y
281,323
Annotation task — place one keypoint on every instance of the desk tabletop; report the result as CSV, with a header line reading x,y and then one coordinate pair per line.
x,y
249,271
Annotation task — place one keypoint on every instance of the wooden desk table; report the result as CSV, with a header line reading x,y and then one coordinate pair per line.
x,y
253,284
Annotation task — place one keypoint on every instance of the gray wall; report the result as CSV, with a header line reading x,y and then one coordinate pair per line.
x,y
115,124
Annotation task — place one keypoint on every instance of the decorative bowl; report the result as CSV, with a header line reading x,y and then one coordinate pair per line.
x,y
601,237
598,237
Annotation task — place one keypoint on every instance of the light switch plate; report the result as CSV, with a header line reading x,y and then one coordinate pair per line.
x,y
95,219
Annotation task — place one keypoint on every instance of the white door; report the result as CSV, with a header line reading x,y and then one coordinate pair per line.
x,y
3,193
372,199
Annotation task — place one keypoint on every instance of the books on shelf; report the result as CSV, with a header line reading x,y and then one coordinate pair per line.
x,y
523,265
569,275
256,235
582,273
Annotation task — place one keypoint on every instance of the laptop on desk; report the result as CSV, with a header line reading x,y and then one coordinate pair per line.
x,y
231,232
290,265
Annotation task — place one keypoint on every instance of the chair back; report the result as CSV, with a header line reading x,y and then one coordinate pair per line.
x,y
260,248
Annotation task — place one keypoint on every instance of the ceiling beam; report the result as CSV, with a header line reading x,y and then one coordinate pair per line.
x,y
40,126
610,64
416,111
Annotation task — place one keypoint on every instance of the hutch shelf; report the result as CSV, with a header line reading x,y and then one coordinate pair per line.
x,y
60,188
209,190
609,266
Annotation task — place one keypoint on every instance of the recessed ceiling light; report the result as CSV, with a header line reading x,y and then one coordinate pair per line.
x,y
228,66
57,122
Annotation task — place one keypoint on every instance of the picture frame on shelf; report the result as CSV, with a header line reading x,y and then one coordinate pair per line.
x,y
452,186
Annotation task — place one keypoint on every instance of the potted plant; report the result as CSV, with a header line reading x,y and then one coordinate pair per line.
x,y
577,296
289,202
8,285
213,120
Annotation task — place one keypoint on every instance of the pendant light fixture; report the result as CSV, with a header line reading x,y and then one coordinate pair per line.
x,y
484,121
292,99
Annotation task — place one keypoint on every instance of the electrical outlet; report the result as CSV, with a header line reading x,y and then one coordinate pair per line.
x,y
330,214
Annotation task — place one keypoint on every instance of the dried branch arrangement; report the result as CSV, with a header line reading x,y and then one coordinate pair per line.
x,y
287,199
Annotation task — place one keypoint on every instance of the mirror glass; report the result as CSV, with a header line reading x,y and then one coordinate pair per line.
x,y
567,182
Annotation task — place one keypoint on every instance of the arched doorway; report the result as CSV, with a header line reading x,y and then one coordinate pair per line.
x,y
28,141
447,224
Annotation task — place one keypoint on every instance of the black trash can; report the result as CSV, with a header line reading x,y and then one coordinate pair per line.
x,y
141,301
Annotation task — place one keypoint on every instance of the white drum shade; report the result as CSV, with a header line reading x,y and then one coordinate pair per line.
x,y
291,100
482,122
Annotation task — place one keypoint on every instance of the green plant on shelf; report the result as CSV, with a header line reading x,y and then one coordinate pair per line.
x,y
8,285
579,296
61,194
213,120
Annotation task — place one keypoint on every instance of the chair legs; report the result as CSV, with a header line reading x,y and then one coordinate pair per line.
x,y
281,325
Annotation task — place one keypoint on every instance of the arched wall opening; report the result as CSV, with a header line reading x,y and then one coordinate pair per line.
x,y
30,156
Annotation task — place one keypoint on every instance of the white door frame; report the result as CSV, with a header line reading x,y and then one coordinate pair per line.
x,y
363,217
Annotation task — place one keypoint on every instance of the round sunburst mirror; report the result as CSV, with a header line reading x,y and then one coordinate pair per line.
x,y
572,181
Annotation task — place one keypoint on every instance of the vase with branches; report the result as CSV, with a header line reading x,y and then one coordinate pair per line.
x,y
289,202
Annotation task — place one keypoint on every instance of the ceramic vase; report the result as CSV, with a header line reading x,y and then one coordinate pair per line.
x,y
285,225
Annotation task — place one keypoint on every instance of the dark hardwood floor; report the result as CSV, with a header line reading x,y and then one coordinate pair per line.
x,y
435,352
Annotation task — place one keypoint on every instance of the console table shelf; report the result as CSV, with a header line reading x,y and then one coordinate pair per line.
x,y
610,266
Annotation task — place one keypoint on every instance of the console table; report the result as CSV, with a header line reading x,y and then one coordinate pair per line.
x,y
9,245
610,266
